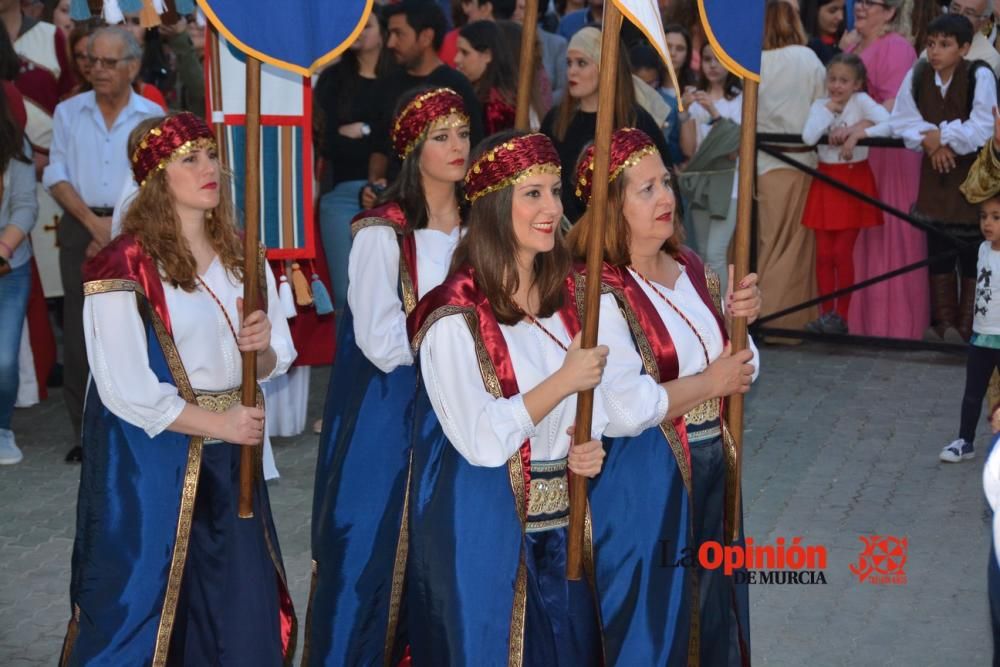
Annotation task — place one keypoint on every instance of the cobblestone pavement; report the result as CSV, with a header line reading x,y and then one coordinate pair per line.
x,y
839,443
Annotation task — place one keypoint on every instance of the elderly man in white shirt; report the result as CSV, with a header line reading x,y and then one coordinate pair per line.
x,y
978,12
88,163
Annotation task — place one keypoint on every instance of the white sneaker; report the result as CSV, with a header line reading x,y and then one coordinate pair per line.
x,y
9,453
957,451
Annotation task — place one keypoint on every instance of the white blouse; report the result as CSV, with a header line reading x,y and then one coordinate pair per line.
x,y
486,430
119,358
633,400
373,289
860,107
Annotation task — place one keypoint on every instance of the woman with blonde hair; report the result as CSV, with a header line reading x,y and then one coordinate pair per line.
x,y
791,79
164,570
571,124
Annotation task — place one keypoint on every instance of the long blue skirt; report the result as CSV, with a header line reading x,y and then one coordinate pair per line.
x,y
725,603
355,614
641,522
227,613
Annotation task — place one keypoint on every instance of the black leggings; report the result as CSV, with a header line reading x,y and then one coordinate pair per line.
x,y
978,371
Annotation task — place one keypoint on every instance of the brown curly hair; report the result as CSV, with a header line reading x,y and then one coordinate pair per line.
x,y
152,219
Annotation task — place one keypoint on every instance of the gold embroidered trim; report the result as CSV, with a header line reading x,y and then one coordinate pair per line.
x,y
515,656
187,499
704,413
680,454
546,524
111,285
219,401
399,570
406,284
629,162
373,221
714,287
309,612
733,511
72,632
278,566
520,177
180,151
548,496
455,118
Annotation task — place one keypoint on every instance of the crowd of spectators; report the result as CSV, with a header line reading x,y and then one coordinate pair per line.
x,y
697,124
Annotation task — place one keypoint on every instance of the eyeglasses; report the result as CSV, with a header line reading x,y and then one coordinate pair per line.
x,y
106,63
868,4
967,12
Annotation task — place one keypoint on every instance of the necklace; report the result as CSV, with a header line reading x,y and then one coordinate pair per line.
x,y
548,333
704,348
222,308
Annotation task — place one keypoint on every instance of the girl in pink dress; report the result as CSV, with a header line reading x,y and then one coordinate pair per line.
x,y
900,307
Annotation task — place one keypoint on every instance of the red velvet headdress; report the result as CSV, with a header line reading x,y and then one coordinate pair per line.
x,y
441,107
175,136
628,146
510,163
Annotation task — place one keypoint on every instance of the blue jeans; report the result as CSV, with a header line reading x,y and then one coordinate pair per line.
x,y
14,290
336,209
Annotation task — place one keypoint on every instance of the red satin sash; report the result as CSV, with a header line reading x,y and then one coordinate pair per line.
x,y
460,290
125,259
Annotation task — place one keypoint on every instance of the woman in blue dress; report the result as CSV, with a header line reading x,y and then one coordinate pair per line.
x,y
401,250
663,488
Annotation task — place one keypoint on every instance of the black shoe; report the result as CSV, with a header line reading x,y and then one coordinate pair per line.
x,y
75,455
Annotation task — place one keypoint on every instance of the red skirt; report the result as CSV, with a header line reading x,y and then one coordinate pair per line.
x,y
830,209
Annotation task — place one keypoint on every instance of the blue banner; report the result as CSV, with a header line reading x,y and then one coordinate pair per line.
x,y
297,35
735,29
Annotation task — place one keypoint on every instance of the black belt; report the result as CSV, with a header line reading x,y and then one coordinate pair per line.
x,y
102,211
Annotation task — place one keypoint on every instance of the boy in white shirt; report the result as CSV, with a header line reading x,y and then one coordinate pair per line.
x,y
944,107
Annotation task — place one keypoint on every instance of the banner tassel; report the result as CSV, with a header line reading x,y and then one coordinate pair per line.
x,y
321,297
286,298
301,286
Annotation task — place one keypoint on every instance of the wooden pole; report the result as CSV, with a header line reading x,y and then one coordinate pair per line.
x,y
741,259
251,209
215,94
526,77
595,258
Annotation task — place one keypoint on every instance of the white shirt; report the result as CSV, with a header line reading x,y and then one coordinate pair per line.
x,y
860,107
487,430
731,109
963,137
119,357
89,156
373,289
791,79
633,400
986,319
